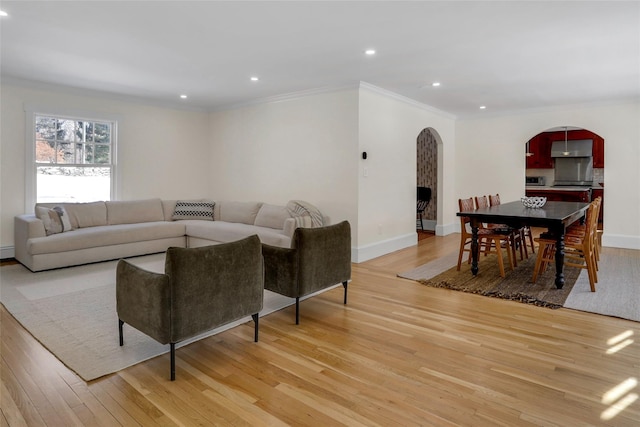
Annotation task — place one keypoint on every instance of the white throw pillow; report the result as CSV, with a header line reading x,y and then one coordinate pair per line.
x,y
55,220
272,216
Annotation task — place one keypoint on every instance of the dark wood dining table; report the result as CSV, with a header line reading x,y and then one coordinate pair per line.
x,y
555,216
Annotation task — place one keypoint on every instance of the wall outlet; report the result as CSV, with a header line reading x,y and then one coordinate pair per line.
x,y
379,228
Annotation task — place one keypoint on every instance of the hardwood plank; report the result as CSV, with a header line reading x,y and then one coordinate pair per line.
x,y
399,353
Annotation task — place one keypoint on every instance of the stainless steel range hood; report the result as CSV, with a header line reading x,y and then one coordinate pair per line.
x,y
573,148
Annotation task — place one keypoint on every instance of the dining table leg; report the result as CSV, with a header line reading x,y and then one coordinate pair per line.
x,y
559,257
474,246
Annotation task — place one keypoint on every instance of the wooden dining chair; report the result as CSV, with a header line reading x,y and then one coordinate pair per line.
x,y
579,249
578,229
492,240
525,231
515,235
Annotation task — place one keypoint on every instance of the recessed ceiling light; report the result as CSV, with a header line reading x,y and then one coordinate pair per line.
x,y
483,107
183,96
254,79
3,13
370,52
435,84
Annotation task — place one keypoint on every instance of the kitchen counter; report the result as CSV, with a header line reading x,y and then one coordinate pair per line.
x,y
561,194
562,188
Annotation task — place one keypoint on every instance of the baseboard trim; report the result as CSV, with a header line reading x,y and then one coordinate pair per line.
x,y
374,250
429,224
7,252
620,241
444,230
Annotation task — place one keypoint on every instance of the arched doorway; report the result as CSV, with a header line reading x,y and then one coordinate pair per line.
x,y
427,177
566,153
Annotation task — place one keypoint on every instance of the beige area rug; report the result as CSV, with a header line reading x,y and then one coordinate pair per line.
x,y
72,312
618,288
617,291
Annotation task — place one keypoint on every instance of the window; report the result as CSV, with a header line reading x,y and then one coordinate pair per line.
x,y
73,159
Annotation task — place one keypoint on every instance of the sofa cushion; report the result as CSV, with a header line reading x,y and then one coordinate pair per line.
x,y
272,216
168,206
87,214
220,231
202,210
242,212
106,235
55,220
134,211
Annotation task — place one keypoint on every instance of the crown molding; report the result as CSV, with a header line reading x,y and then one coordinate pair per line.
x,y
551,109
78,91
324,90
291,96
404,99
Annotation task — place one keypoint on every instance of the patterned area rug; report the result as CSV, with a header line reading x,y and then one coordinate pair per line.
x,y
516,286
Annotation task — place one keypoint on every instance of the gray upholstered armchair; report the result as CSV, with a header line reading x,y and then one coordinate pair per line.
x,y
319,258
201,289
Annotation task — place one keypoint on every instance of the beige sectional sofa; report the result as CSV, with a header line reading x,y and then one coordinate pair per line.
x,y
101,231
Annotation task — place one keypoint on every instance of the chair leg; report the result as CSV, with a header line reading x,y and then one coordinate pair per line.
x,y
173,361
530,234
511,255
297,310
523,242
255,318
500,260
591,271
512,242
344,285
536,269
120,323
462,245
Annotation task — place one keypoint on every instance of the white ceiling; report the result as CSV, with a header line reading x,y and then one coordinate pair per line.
x,y
509,56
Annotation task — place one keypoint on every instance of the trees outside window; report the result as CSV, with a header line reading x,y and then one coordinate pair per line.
x,y
74,159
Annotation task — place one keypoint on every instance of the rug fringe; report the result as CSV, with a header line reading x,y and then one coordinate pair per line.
x,y
519,297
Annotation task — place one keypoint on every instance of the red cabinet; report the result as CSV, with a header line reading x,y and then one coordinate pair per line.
x,y
598,152
598,143
540,146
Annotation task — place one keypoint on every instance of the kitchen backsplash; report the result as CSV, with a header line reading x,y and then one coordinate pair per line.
x,y
548,174
598,175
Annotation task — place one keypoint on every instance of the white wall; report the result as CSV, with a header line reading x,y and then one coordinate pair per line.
x,y
389,127
296,149
490,159
310,148
161,152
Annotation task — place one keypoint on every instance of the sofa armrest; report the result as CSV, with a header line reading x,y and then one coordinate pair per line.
x,y
143,300
26,227
29,226
289,227
280,270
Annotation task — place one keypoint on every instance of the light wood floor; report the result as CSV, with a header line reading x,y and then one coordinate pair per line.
x,y
398,354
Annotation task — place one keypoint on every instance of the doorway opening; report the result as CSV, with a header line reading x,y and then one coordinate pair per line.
x,y
426,183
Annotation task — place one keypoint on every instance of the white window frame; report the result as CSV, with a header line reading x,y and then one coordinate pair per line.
x,y
32,111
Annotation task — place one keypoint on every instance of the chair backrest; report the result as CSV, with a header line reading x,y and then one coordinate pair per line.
x,y
597,204
214,285
424,194
465,205
323,256
591,219
494,200
481,202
